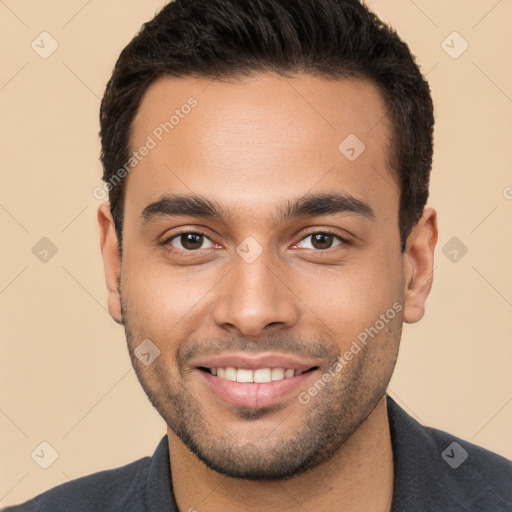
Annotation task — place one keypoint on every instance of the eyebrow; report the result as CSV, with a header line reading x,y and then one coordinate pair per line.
x,y
170,205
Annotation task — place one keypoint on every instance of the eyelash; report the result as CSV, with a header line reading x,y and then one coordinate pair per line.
x,y
165,242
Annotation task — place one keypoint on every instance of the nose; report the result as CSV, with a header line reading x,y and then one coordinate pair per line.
x,y
254,298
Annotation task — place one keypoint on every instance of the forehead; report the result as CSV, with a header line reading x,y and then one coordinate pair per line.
x,y
253,142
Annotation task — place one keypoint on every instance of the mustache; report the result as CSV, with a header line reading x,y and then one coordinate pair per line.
x,y
284,344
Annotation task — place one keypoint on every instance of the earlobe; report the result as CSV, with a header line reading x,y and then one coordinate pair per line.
x,y
418,265
111,260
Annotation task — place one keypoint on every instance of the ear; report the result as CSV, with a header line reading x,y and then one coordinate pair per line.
x,y
418,265
111,260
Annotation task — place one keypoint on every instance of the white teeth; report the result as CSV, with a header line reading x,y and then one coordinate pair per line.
x,y
277,373
244,375
262,375
259,376
230,373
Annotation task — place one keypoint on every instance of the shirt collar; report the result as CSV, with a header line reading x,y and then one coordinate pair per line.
x,y
159,491
411,461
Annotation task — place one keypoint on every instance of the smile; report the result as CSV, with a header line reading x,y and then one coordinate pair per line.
x,y
254,387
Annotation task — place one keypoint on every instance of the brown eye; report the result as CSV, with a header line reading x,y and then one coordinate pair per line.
x,y
321,241
190,242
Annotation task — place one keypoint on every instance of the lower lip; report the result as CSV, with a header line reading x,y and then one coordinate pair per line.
x,y
254,394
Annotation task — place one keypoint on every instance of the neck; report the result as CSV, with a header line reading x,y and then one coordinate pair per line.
x,y
359,477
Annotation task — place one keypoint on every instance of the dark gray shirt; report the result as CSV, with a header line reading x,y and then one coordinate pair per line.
x,y
434,471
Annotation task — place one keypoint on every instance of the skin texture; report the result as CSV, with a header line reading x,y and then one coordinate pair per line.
x,y
251,145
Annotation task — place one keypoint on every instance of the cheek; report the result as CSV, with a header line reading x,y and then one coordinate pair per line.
x,y
161,299
353,296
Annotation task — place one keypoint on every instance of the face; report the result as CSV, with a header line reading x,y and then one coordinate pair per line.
x,y
262,261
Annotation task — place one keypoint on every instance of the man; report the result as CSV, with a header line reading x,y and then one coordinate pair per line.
x,y
267,234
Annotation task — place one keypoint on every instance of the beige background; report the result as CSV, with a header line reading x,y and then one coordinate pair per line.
x,y
65,373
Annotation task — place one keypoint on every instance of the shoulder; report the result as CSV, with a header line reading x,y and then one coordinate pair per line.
x,y
471,474
443,471
115,489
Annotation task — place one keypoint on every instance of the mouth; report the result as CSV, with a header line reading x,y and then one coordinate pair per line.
x,y
260,382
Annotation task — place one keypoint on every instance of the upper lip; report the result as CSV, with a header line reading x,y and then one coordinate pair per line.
x,y
253,363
